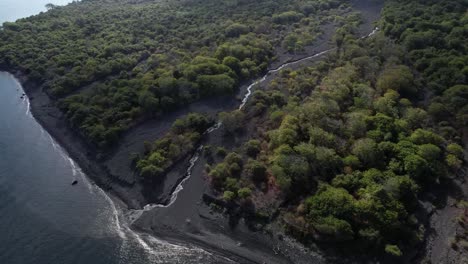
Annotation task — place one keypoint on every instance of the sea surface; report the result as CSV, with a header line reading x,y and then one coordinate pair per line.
x,y
43,218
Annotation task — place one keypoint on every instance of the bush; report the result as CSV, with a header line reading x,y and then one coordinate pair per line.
x,y
399,78
332,201
252,148
236,29
336,229
229,196
287,17
453,162
456,150
257,170
393,250
244,193
233,121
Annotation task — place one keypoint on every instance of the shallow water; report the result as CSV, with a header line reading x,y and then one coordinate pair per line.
x,y
44,219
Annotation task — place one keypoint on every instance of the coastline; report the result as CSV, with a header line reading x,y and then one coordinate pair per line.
x,y
129,195
52,120
189,220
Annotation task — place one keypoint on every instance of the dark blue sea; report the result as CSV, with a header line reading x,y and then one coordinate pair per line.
x,y
43,218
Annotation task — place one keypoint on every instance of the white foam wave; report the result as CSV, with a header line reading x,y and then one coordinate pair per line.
x,y
160,251
180,187
135,214
115,215
62,152
249,88
28,106
157,249
373,32
151,243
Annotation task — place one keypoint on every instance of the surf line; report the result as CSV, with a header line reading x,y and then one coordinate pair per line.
x,y
137,213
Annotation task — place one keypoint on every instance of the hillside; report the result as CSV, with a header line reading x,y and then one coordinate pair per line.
x,y
355,149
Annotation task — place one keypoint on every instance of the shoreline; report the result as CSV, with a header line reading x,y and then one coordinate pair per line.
x,y
127,194
71,144
51,119
191,220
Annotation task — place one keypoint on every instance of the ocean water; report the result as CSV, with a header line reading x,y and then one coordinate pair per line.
x,y
43,218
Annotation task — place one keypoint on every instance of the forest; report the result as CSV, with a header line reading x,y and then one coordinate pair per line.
x,y
344,150
176,144
112,64
340,152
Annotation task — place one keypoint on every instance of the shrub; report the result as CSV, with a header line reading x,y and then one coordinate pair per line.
x,y
393,250
229,196
244,193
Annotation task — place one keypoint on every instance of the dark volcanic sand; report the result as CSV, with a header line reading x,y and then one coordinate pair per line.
x,y
187,220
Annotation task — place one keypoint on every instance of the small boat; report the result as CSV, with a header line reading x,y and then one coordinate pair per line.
x,y
75,182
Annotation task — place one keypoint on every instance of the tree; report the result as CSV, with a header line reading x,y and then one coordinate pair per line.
x,y
326,163
387,104
422,136
150,171
417,167
218,84
233,63
233,121
256,170
148,102
456,150
416,117
229,196
399,78
252,148
320,137
429,152
456,96
282,179
287,17
453,162
334,228
236,29
50,6
366,150
393,250
291,43
330,201
244,193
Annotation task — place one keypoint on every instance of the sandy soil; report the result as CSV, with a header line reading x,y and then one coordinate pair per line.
x,y
188,220
442,223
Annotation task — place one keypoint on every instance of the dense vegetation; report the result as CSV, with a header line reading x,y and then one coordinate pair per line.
x,y
361,136
113,63
180,141
340,151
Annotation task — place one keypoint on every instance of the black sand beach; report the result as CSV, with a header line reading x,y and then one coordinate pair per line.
x,y
188,220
